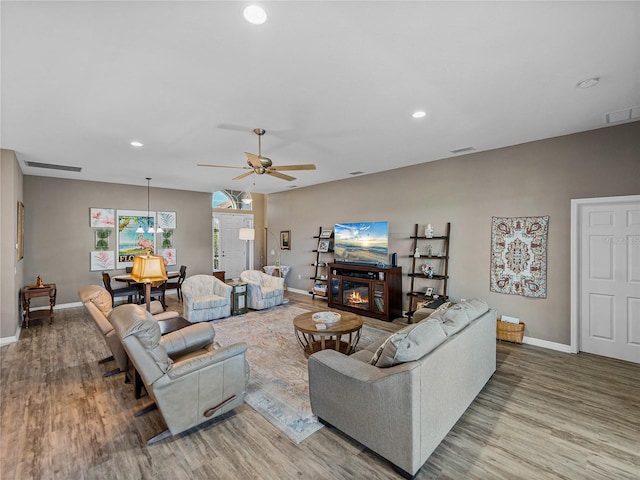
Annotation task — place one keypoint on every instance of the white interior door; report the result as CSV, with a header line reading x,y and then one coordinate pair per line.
x,y
609,277
235,255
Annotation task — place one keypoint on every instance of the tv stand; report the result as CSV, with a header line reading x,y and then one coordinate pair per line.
x,y
366,289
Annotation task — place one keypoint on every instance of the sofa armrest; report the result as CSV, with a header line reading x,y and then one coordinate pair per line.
x,y
222,289
189,339
333,363
184,367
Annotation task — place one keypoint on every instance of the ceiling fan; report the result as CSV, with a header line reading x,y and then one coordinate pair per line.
x,y
261,165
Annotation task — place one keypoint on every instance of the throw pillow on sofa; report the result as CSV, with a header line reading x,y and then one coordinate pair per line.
x,y
458,316
409,344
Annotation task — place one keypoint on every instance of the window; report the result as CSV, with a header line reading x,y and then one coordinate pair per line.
x,y
232,199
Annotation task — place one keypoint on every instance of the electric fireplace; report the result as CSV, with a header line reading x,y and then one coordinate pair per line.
x,y
367,290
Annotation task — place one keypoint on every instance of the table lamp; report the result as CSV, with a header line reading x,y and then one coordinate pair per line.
x,y
148,269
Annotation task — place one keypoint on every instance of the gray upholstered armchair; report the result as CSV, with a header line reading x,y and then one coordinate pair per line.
x,y
189,379
263,291
205,298
99,303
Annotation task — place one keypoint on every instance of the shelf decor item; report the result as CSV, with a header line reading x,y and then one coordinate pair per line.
x,y
428,231
427,270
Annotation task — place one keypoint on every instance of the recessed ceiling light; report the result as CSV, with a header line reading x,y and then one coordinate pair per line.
x,y
419,114
255,14
589,82
136,143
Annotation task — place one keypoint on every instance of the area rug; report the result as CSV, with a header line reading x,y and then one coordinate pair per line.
x,y
519,256
279,383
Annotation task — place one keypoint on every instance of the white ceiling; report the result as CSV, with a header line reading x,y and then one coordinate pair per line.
x,y
333,83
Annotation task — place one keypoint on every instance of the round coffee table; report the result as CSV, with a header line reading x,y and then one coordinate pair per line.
x,y
313,340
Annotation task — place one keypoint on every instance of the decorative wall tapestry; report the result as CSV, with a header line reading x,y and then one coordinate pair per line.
x,y
519,256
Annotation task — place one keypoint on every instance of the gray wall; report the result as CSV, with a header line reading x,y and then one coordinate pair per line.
x,y
10,268
60,238
538,178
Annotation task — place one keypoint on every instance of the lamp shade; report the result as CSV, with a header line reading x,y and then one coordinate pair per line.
x,y
247,234
148,269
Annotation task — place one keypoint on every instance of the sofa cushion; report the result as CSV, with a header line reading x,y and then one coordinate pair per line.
x,y
270,292
208,301
409,344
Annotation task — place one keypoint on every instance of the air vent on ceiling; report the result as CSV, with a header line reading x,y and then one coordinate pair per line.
x,y
356,173
53,166
458,151
623,115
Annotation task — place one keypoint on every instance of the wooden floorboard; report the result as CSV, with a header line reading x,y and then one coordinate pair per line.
x,y
543,414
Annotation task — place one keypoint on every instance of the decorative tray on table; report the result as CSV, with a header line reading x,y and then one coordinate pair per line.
x,y
326,317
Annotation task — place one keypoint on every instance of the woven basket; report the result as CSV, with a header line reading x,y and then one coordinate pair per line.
x,y
509,332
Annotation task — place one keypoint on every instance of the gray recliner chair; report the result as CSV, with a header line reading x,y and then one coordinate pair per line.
x,y
189,379
99,303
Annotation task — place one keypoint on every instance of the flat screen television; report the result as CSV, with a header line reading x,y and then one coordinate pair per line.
x,y
361,243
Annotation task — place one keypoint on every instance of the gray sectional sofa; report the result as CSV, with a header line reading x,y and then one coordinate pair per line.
x,y
401,397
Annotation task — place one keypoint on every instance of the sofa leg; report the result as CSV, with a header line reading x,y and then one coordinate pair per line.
x,y
113,372
106,359
403,473
325,423
159,437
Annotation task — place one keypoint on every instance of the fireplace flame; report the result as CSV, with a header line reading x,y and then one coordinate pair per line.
x,y
355,297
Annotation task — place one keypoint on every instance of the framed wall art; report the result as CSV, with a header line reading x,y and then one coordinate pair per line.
x,y
102,217
285,240
101,260
131,243
167,220
20,231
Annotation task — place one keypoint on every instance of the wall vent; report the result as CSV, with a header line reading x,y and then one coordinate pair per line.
x,y
622,115
52,166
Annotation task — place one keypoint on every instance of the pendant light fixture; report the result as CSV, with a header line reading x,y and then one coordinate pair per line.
x,y
150,229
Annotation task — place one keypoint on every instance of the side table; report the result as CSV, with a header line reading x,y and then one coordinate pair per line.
x,y
29,292
238,298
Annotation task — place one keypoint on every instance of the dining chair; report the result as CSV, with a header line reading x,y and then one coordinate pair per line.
x,y
159,293
177,283
131,291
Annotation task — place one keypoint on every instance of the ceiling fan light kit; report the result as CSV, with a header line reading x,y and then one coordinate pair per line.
x,y
261,165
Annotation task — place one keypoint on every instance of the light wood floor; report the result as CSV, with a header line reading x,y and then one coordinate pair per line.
x,y
543,415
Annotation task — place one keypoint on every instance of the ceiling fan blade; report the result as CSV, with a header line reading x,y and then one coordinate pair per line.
x,y
246,174
281,176
219,166
254,160
280,168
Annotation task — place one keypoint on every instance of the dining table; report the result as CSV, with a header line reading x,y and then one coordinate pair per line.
x,y
126,277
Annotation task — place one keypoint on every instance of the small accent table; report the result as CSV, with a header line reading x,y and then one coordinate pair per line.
x,y
313,340
29,292
238,297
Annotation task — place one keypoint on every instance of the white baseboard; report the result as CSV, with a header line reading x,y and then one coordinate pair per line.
x,y
295,290
536,342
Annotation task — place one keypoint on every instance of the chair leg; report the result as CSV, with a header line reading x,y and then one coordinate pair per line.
x,y
107,359
147,409
113,372
159,437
